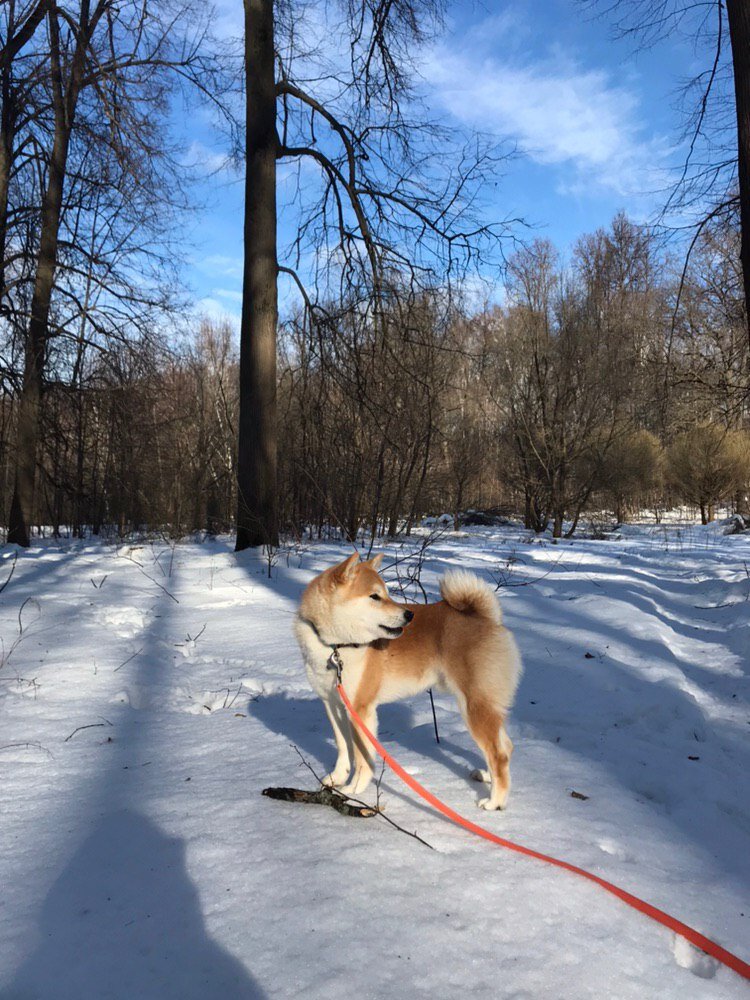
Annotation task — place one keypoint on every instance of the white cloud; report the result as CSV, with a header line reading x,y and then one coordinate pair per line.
x,y
220,265
559,113
209,161
215,310
228,293
229,19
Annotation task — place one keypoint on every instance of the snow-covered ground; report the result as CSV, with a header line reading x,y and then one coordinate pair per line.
x,y
149,693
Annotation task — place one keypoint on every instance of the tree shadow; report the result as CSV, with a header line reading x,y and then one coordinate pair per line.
x,y
123,921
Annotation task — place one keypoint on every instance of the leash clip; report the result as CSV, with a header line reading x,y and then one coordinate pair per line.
x,y
335,663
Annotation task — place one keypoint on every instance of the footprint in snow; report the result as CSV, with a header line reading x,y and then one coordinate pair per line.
x,y
693,959
615,850
125,622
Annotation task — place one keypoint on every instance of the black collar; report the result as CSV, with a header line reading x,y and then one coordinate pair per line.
x,y
331,645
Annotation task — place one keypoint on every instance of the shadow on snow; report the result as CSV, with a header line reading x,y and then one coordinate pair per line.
x,y
123,919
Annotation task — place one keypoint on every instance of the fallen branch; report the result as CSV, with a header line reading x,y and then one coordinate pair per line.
x,y
323,797
367,810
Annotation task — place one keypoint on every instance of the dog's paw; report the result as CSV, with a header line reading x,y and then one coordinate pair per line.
x,y
358,785
479,774
334,780
490,804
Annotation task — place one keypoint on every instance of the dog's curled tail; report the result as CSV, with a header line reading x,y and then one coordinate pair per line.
x,y
466,592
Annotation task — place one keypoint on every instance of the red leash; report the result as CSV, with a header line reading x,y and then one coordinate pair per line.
x,y
694,937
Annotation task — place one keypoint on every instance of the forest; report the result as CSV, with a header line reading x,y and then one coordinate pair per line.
x,y
435,362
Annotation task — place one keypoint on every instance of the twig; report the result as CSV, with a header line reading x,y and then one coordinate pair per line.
x,y
5,657
236,696
715,607
131,657
381,812
93,725
36,746
378,810
434,716
414,560
148,577
10,575
502,580
28,600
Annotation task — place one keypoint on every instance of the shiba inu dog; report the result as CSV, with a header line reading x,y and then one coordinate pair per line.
x,y
390,651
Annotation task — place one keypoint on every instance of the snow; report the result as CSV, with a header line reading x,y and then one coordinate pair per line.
x,y
153,691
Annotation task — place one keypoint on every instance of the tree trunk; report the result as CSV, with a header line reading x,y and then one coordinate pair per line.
x,y
738,15
422,476
257,517
528,522
378,492
457,507
557,528
29,410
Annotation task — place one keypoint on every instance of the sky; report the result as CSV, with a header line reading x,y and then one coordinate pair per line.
x,y
596,124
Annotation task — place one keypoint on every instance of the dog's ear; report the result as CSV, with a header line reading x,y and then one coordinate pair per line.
x,y
376,561
345,571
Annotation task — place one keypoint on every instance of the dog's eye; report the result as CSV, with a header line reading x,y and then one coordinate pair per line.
x,y
375,597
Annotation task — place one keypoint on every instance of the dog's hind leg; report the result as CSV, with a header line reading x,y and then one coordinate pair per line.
x,y
342,733
486,726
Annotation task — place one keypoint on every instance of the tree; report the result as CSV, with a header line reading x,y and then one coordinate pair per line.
x,y
359,415
91,184
575,353
719,183
631,470
738,15
388,206
709,350
257,522
707,465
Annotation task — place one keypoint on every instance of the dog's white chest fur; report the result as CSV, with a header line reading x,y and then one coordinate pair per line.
x,y
317,656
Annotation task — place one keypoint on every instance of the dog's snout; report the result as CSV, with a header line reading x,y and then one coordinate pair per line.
x,y
408,615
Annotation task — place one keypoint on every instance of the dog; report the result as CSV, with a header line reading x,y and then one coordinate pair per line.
x,y
390,651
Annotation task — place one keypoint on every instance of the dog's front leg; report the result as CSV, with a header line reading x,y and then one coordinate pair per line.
x,y
342,732
363,752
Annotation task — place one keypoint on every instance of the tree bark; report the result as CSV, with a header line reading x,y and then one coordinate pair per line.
x,y
321,797
738,15
256,465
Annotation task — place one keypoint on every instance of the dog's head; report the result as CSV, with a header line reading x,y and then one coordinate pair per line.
x,y
355,605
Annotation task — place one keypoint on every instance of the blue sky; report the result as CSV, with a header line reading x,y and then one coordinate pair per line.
x,y
596,124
